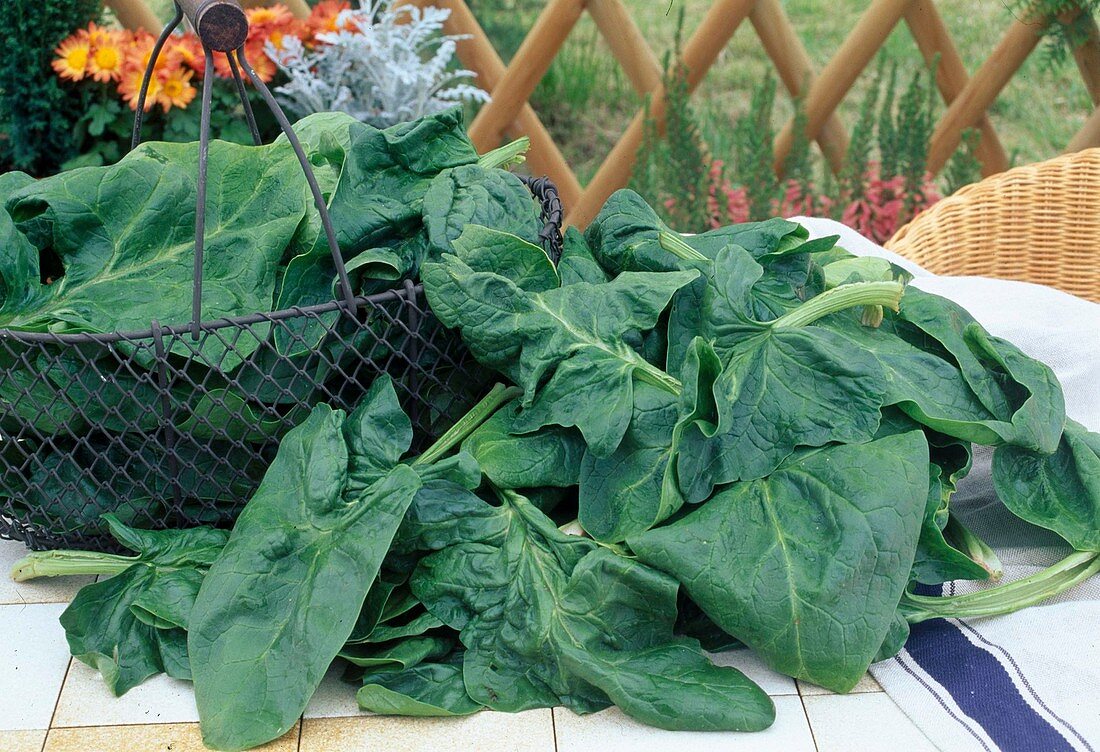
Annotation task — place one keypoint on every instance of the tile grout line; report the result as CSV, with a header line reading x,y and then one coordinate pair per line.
x,y
301,730
57,702
554,728
806,715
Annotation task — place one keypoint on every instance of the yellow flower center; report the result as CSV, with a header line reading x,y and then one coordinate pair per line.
x,y
77,58
173,88
107,58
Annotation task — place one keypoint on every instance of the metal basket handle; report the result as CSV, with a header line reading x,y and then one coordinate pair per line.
x,y
222,27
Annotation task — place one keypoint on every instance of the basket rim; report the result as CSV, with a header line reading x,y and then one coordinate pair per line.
x,y
107,338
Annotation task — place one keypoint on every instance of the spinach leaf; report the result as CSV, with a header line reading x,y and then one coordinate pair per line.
x,y
124,235
130,626
806,566
577,264
427,689
549,457
552,619
624,493
476,195
376,190
628,235
570,336
19,265
782,387
399,654
1021,396
1060,491
487,250
285,595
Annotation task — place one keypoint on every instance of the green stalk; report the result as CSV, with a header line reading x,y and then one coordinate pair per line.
x,y
885,294
974,547
507,155
675,244
468,423
67,563
654,376
1004,599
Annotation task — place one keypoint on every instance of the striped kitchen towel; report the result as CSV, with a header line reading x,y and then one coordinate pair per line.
x,y
1029,681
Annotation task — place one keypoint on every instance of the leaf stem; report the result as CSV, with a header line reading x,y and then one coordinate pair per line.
x,y
675,244
654,376
506,156
1004,599
65,563
885,294
468,423
974,547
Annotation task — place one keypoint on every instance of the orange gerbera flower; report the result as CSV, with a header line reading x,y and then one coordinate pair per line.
x,y
130,88
72,58
272,16
107,59
186,50
95,34
176,90
322,19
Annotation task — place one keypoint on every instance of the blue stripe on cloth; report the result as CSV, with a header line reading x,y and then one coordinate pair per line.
x,y
981,687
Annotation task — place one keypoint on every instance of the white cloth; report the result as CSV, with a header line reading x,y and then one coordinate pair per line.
x,y
1028,681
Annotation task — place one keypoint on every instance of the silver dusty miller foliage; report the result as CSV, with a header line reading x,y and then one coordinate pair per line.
x,y
387,63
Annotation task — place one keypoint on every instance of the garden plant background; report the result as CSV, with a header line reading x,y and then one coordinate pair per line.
x,y
586,101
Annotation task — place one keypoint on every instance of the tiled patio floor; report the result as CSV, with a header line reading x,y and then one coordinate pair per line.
x,y
51,703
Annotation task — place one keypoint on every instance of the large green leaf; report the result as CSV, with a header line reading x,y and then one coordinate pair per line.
x,y
374,181
485,249
628,235
124,236
1060,491
551,619
548,457
129,627
625,493
284,596
427,689
571,337
781,388
476,195
808,565
577,263
1020,395
19,267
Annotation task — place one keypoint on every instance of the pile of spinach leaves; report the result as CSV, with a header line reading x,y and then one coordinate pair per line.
x,y
741,437
103,249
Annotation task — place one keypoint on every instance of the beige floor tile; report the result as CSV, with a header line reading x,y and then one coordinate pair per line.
x,y
866,684
335,698
86,701
46,590
168,737
750,664
22,741
868,722
611,731
33,659
530,731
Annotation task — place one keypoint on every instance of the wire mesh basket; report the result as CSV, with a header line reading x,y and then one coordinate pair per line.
x,y
175,425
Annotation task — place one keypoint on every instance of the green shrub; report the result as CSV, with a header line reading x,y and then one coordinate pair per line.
x,y
37,112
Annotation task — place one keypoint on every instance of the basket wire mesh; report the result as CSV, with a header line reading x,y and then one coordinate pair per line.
x,y
175,425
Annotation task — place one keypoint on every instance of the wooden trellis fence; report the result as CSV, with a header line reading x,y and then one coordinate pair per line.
x,y
509,114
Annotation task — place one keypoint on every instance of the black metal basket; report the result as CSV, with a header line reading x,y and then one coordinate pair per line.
x,y
175,425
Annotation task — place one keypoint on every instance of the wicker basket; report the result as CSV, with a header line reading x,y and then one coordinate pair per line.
x,y
1036,223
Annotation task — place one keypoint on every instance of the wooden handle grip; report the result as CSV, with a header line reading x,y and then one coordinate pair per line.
x,y
221,24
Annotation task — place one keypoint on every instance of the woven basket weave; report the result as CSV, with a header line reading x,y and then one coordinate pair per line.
x,y
1036,223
